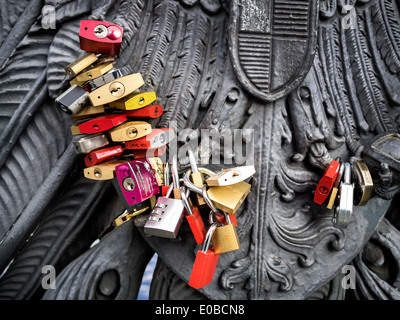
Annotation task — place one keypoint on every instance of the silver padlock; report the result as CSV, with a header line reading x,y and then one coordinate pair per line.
x,y
166,218
343,212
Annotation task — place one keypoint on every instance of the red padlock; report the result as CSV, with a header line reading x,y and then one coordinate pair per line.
x,y
102,123
99,156
149,153
100,37
205,263
154,140
325,185
153,112
194,218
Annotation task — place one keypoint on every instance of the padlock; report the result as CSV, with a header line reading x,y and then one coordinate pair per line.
x,y
100,37
117,89
102,123
194,218
225,238
102,171
128,215
231,176
196,176
134,101
103,155
88,112
159,168
156,139
363,183
81,64
130,131
166,218
325,185
343,212
107,78
90,143
205,263
175,177
335,188
147,153
73,100
227,198
153,112
136,182
91,74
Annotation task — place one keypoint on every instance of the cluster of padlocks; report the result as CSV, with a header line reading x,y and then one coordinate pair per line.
x,y
342,186
109,113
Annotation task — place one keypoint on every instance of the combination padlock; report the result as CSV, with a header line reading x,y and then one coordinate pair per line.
x,y
166,218
205,263
117,89
102,171
326,183
130,130
231,176
156,139
81,64
91,74
103,155
134,101
90,143
101,123
136,182
343,212
73,100
194,219
153,112
100,37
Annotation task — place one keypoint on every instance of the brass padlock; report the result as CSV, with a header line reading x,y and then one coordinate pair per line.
x,y
364,183
81,64
102,171
88,112
117,89
129,131
225,237
229,198
159,169
91,74
134,101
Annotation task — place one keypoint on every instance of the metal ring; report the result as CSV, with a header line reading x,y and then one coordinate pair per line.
x,y
186,202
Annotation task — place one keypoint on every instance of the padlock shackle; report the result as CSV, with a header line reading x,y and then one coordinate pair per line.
x,y
175,173
339,176
184,198
170,189
347,173
208,237
193,161
227,217
190,185
208,200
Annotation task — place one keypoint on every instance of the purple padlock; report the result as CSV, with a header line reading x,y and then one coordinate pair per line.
x,y
137,181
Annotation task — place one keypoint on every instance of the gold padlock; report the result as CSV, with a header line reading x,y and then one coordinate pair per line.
x,y
91,74
134,101
117,89
364,183
229,198
225,238
126,216
87,112
81,64
102,171
159,170
129,131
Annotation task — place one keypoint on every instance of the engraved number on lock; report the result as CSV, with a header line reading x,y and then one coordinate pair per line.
x,y
128,184
100,31
117,89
